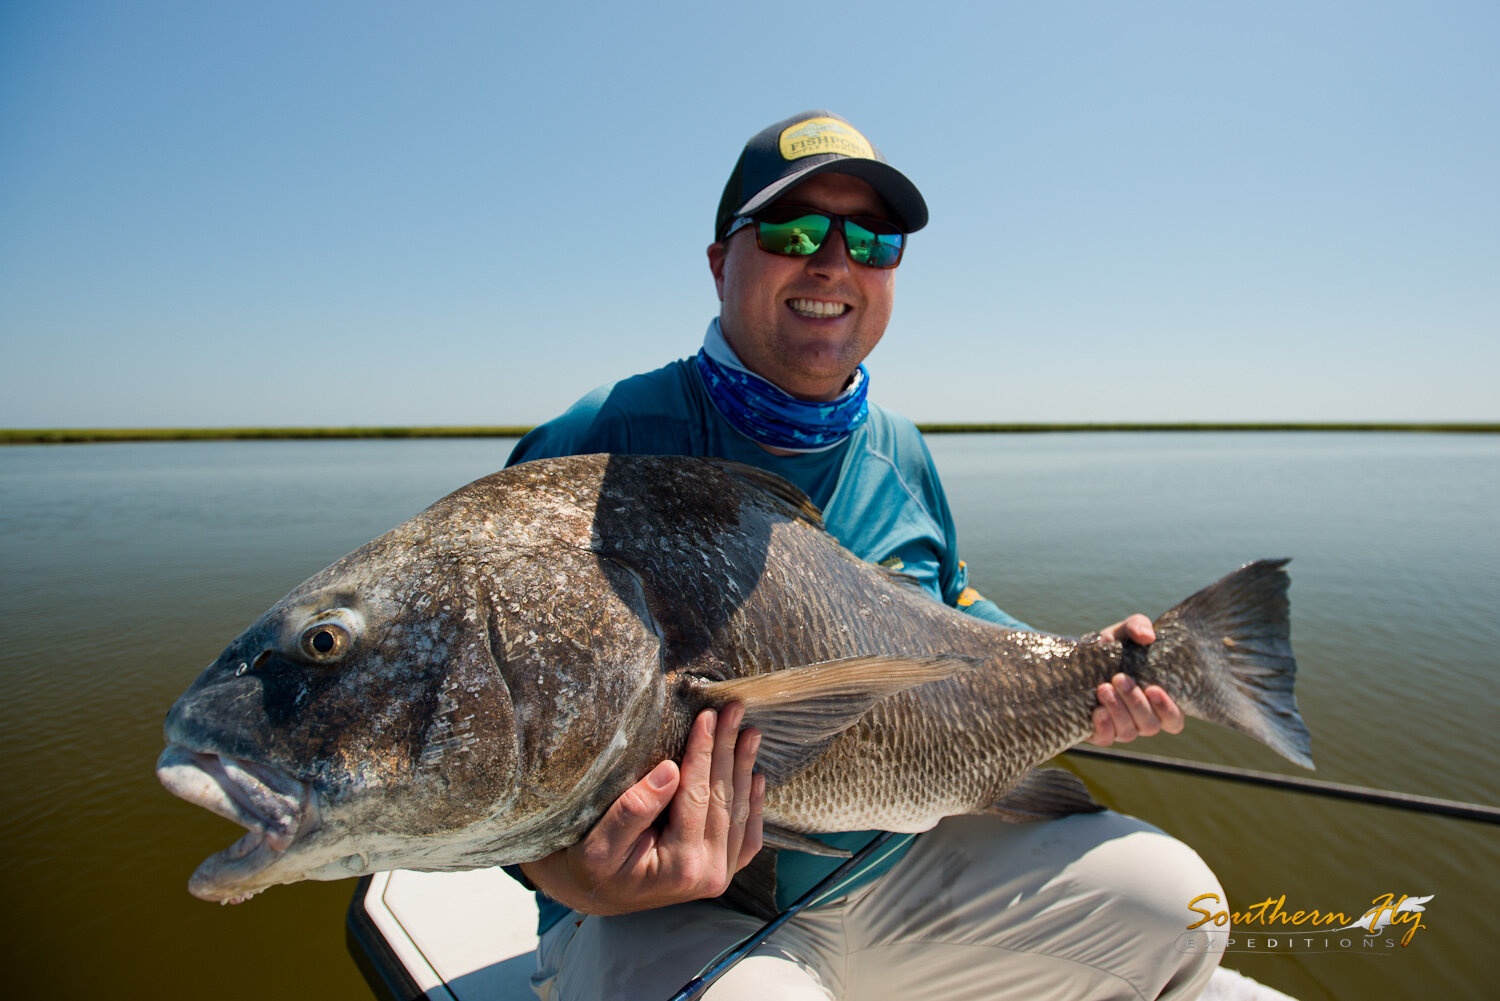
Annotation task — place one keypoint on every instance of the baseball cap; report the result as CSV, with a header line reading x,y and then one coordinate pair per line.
x,y
783,155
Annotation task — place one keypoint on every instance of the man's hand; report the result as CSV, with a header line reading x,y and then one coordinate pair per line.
x,y
1127,711
628,862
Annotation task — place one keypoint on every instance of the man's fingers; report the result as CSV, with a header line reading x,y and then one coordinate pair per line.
x,y
744,767
1136,628
751,845
723,830
742,785
723,764
1141,713
1127,711
614,840
628,861
1142,717
690,807
1104,726
1172,717
1122,721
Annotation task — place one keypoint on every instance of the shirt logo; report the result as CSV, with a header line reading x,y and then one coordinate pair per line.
x,y
824,135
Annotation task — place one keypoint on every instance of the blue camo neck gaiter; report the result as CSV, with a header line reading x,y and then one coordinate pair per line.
x,y
765,414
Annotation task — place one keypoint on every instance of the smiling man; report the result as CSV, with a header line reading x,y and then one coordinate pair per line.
x,y
805,321
809,233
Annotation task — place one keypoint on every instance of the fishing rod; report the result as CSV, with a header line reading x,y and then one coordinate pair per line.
x,y
1333,790
717,969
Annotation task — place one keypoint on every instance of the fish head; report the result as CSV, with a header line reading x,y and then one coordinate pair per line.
x,y
349,720
418,704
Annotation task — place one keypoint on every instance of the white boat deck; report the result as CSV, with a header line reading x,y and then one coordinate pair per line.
x,y
462,936
469,936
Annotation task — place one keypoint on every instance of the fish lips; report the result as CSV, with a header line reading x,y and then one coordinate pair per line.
x,y
275,808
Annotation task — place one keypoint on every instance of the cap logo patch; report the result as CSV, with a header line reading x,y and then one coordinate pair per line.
x,y
824,135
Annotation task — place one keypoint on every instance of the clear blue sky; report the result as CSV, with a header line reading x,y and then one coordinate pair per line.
x,y
398,213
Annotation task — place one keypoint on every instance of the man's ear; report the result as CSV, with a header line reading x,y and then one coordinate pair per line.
x,y
717,252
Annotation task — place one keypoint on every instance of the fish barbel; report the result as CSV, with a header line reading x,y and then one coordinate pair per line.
x,y
477,686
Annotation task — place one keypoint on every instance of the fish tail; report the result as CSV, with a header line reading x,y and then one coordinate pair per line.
x,y
1225,655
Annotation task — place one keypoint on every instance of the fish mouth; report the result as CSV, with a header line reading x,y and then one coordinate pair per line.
x,y
274,808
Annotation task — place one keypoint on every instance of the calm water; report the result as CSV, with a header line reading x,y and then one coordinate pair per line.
x,y
125,568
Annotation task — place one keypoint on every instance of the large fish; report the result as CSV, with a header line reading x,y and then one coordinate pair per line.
x,y
477,685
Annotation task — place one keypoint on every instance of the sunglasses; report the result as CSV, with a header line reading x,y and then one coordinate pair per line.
x,y
799,231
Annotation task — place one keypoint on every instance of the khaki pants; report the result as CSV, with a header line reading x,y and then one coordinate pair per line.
x,y
1091,906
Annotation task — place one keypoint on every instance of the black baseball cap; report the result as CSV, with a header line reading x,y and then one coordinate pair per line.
x,y
814,142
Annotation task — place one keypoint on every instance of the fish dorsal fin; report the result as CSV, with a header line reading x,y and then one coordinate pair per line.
x,y
795,501
902,579
1044,794
801,710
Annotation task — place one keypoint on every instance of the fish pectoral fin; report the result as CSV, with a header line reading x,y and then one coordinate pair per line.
x,y
801,710
1044,794
773,836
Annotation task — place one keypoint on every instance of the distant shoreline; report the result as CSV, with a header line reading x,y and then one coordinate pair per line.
x,y
68,436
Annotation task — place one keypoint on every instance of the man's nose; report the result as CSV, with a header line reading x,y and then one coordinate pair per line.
x,y
832,257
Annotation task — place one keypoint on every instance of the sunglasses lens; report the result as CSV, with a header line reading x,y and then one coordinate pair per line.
x,y
874,243
794,233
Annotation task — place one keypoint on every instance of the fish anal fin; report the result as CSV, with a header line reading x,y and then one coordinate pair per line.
x,y
774,836
1044,794
801,710
753,888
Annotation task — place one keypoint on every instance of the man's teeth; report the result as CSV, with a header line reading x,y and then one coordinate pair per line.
x,y
817,308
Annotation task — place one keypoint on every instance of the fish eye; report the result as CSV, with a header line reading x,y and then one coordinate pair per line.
x,y
329,634
325,642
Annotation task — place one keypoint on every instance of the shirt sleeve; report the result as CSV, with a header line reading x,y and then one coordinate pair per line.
x,y
649,414
581,430
973,603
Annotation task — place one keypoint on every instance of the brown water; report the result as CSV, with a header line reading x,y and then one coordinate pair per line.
x,y
125,568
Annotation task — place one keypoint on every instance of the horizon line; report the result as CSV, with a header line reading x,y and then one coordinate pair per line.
x,y
68,436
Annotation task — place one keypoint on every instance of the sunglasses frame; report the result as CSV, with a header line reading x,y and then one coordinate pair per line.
x,y
835,221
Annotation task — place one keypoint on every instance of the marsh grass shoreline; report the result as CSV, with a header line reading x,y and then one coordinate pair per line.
x,y
68,436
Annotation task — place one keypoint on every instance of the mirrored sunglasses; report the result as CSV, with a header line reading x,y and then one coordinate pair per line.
x,y
799,231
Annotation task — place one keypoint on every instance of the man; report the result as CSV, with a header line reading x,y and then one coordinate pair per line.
x,y
810,229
